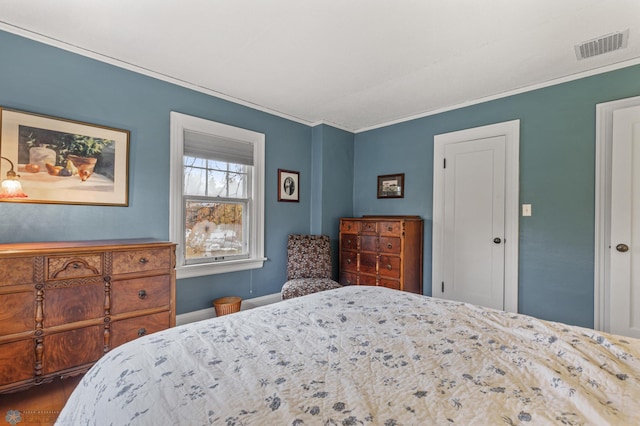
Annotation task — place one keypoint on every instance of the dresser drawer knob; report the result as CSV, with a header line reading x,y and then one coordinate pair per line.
x,y
389,246
76,266
389,267
349,261
142,332
142,294
390,229
348,282
143,260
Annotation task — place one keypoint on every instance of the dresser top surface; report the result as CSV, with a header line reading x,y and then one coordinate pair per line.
x,y
53,246
382,217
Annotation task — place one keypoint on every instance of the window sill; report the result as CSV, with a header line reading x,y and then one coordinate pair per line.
x,y
203,269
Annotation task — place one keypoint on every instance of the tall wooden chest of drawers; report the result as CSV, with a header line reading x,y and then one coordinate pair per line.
x,y
64,304
382,250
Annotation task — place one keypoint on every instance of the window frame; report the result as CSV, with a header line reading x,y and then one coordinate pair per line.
x,y
179,124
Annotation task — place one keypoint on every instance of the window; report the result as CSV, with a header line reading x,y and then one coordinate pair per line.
x,y
217,197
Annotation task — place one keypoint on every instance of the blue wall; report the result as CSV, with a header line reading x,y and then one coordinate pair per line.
x,y
333,159
42,79
557,174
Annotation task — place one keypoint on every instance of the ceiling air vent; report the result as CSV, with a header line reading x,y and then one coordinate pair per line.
x,y
601,45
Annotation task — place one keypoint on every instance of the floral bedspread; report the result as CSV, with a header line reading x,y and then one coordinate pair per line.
x,y
364,356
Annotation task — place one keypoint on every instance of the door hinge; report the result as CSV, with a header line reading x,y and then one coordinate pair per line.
x,y
442,286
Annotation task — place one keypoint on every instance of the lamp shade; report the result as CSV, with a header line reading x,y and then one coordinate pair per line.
x,y
11,188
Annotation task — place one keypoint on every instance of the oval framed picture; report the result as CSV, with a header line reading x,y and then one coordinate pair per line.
x,y
288,185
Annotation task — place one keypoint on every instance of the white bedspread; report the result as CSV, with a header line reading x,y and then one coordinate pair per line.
x,y
364,356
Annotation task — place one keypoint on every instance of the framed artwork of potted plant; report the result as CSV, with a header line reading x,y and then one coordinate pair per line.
x,y
62,161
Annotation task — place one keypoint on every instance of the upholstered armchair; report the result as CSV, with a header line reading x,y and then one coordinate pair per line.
x,y
308,266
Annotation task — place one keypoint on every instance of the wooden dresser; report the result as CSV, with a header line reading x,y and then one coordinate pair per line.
x,y
64,304
382,250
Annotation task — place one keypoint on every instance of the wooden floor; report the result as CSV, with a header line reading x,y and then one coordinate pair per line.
x,y
39,405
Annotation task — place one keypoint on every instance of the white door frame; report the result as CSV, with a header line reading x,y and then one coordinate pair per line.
x,y
601,273
511,131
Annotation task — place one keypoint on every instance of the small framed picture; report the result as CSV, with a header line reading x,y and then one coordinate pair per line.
x,y
391,186
288,186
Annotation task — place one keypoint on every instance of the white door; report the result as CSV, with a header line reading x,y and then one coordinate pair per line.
x,y
474,222
624,309
475,216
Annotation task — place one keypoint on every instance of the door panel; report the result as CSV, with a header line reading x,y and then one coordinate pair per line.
x,y
625,228
473,218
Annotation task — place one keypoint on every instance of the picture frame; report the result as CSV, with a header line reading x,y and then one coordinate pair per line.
x,y
391,186
288,186
61,161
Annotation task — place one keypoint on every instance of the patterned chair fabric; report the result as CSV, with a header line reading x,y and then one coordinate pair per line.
x,y
308,266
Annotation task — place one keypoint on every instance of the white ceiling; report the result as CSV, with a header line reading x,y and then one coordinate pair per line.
x,y
355,64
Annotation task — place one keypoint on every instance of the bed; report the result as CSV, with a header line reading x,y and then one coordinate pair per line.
x,y
364,356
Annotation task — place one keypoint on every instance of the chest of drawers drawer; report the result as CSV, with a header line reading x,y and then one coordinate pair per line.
x,y
17,312
389,266
16,271
72,304
390,228
348,226
79,346
132,328
16,361
78,266
141,261
139,294
349,242
390,245
349,261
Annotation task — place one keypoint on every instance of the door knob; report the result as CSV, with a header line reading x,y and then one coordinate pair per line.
x,y
622,248
497,240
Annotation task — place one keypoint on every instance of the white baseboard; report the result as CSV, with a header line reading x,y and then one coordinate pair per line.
x,y
203,314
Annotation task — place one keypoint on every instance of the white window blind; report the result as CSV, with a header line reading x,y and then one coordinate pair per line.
x,y
211,147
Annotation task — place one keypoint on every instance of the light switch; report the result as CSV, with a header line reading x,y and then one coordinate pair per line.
x,y
526,210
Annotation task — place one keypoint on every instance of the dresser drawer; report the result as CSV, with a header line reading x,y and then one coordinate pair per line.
x,y
16,271
390,228
369,243
369,227
349,226
348,278
141,260
390,245
367,279
141,293
126,330
349,242
71,304
17,312
367,263
349,261
17,361
80,266
389,266
72,348
393,284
